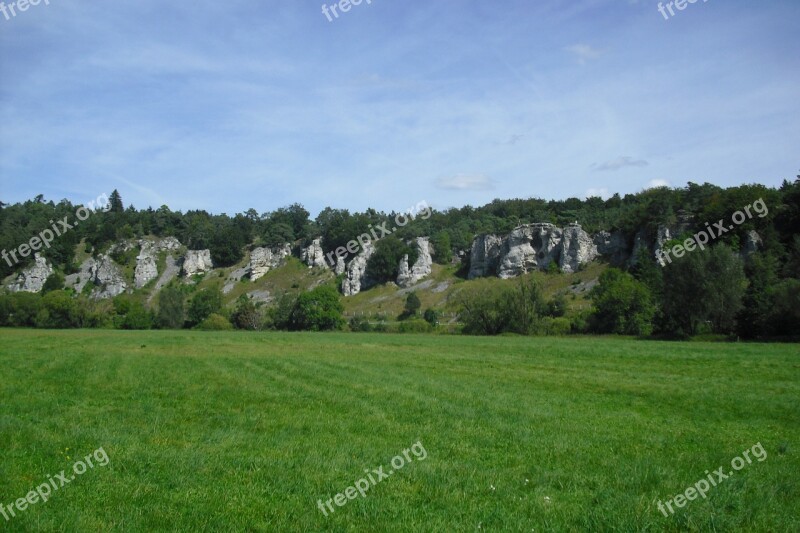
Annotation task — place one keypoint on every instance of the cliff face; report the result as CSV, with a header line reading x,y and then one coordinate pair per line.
x,y
531,247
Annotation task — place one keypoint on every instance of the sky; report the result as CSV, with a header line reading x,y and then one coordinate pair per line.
x,y
239,104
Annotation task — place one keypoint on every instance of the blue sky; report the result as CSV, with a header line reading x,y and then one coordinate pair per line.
x,y
229,105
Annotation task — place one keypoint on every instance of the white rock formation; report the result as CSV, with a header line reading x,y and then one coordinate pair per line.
x,y
422,266
356,274
530,247
340,266
262,260
146,269
313,255
32,278
108,277
197,262
577,248
484,255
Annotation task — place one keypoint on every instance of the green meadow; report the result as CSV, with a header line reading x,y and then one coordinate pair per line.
x,y
247,431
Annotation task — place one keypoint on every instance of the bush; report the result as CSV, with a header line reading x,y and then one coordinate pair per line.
x,y
555,326
317,310
204,304
431,316
215,322
415,325
360,324
171,314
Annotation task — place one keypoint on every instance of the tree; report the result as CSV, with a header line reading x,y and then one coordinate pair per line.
x,y
54,282
442,248
412,304
203,304
703,288
431,316
491,310
318,310
246,315
58,310
384,263
115,202
171,313
622,305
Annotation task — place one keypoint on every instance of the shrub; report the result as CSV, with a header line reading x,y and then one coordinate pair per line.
x,y
360,324
415,325
215,322
317,310
204,304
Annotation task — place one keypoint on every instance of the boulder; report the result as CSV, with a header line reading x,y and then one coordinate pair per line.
x,y
408,276
32,278
197,262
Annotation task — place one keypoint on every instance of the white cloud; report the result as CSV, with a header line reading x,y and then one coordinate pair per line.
x,y
601,193
465,183
619,163
653,184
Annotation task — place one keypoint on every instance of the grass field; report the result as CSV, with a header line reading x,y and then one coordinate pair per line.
x,y
245,432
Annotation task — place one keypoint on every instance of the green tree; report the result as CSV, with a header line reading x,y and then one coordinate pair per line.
x,y
246,315
59,311
318,310
412,305
622,305
431,316
703,289
203,304
442,248
54,282
384,262
115,202
171,312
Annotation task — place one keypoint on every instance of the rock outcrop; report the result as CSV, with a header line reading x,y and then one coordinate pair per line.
x,y
577,248
612,246
262,260
313,255
197,262
356,273
32,278
340,266
107,275
752,244
146,269
484,256
408,276
531,247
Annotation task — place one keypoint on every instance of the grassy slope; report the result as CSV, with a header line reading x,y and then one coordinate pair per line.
x,y
238,431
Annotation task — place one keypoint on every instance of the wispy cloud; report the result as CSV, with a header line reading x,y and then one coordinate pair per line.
x,y
465,183
584,52
619,163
